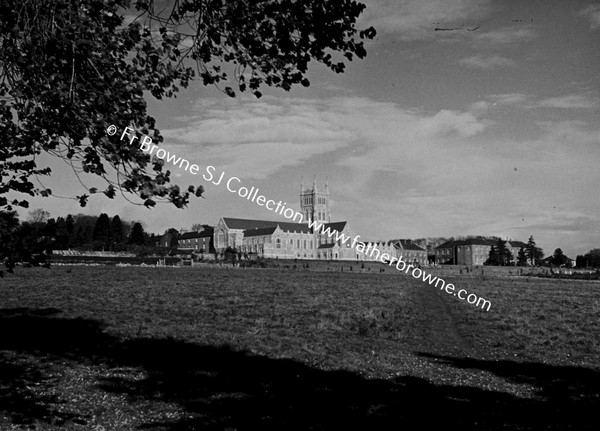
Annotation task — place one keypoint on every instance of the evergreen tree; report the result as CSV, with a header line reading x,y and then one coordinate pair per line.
x,y
137,235
492,257
87,224
522,257
62,237
534,254
50,230
173,234
592,258
499,255
500,252
505,256
88,235
79,237
102,230
70,228
116,230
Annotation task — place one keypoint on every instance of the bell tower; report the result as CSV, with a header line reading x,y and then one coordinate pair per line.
x,y
314,202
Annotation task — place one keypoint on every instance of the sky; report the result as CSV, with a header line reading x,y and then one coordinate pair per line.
x,y
487,126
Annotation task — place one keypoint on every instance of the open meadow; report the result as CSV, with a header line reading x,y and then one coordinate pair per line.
x,y
128,348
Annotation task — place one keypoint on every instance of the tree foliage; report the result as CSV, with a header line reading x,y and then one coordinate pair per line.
x,y
117,233
69,70
533,252
38,215
522,258
26,242
102,230
137,236
558,258
499,255
589,260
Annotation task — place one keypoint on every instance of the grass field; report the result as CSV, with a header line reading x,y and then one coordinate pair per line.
x,y
108,348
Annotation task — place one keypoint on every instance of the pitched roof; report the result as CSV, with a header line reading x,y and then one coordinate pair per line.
x,y
407,244
338,225
259,232
294,227
447,244
475,241
468,241
190,235
330,245
517,244
249,225
246,224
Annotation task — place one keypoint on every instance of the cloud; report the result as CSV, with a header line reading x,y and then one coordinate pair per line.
x,y
572,101
487,63
493,100
508,98
416,19
566,222
504,35
259,138
592,13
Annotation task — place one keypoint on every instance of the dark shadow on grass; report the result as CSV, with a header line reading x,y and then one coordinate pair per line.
x,y
224,389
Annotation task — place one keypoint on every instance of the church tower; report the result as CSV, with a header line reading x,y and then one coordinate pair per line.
x,y
315,202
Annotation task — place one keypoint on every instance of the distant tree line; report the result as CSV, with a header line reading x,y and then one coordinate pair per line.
x,y
33,240
500,254
589,260
90,232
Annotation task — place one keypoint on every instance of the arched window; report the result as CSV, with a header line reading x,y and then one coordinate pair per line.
x,y
278,243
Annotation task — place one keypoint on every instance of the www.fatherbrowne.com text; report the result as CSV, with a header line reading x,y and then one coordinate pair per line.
x,y
251,194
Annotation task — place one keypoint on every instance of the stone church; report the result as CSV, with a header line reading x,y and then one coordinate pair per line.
x,y
285,240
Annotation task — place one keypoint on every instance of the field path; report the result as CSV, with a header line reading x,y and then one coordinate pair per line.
x,y
439,333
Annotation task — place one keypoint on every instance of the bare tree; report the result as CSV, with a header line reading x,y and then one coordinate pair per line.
x,y
38,215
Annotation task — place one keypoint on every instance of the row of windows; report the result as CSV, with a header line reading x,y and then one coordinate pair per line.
x,y
196,240
305,243
318,215
308,200
253,248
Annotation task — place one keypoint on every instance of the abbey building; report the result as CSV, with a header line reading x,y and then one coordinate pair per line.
x,y
287,240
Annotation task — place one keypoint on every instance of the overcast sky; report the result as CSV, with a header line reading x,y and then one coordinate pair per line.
x,y
491,128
